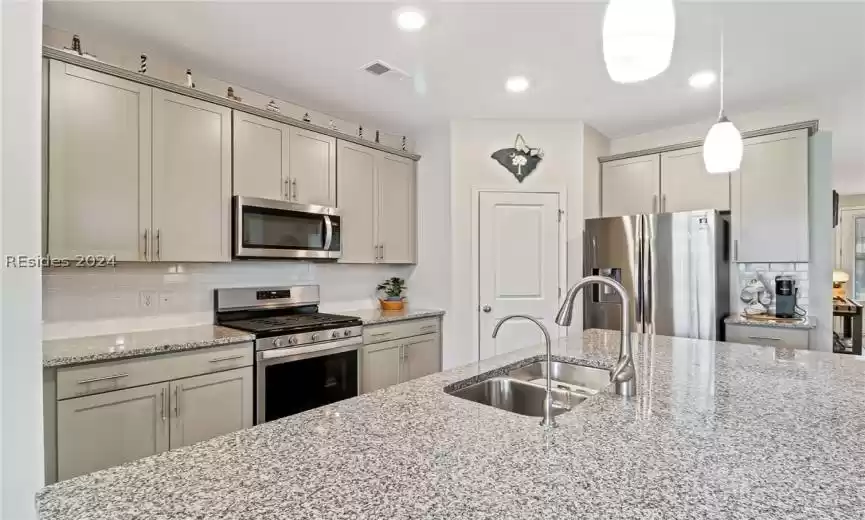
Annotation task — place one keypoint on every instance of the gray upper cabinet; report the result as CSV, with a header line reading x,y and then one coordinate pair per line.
x,y
630,186
261,152
422,356
687,186
396,209
191,179
99,159
377,201
770,199
357,203
206,406
105,430
312,167
380,365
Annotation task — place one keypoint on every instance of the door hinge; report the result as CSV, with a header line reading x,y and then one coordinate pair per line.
x,y
559,216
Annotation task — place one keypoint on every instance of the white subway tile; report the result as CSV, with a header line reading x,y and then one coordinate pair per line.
x,y
758,267
802,267
781,267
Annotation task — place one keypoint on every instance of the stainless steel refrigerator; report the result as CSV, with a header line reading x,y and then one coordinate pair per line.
x,y
674,265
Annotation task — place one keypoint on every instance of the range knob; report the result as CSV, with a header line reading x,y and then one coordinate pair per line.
x,y
346,333
314,337
335,334
278,343
292,340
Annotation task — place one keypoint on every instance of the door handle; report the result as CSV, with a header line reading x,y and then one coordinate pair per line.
x,y
328,233
487,308
768,338
286,190
226,358
158,245
145,243
177,401
162,404
294,189
105,378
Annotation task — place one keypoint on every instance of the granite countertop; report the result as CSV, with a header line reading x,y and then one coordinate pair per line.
x,y
91,349
808,322
716,430
375,316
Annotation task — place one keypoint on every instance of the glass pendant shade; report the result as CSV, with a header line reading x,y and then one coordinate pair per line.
x,y
638,38
723,147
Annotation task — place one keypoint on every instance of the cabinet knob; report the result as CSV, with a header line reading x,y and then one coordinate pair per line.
x,y
487,308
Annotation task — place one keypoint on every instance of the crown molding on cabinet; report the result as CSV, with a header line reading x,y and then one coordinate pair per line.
x,y
105,68
812,126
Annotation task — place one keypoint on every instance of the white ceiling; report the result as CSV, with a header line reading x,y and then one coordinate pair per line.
x,y
310,53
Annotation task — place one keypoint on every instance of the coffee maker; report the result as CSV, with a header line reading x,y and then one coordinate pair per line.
x,y
785,297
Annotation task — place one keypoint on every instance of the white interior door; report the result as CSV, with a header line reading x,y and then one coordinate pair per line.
x,y
518,267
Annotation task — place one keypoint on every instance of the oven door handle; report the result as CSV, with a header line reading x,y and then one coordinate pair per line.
x,y
311,351
328,232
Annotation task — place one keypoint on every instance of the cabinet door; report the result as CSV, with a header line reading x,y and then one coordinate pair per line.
x,y
380,365
203,407
687,186
98,164
261,151
770,200
396,209
313,168
105,430
630,186
356,202
191,179
422,355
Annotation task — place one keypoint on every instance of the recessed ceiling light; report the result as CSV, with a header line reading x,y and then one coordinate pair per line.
x,y
410,19
517,84
703,79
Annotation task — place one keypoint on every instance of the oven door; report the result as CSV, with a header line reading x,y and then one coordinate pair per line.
x,y
265,228
295,379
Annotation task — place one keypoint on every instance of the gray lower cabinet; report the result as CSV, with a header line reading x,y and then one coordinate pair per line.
x,y
203,407
386,363
381,365
104,430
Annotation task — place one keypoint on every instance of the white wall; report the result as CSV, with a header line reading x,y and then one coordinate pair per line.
x,y
21,450
429,285
472,168
595,144
83,302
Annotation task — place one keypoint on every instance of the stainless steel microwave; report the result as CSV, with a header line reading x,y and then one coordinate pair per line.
x,y
266,228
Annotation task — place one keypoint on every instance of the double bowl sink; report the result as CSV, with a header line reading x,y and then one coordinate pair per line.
x,y
522,389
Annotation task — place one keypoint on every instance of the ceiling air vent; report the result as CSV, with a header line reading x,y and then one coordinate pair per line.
x,y
380,68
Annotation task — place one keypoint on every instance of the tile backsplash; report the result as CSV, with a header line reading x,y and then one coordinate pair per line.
x,y
799,271
78,301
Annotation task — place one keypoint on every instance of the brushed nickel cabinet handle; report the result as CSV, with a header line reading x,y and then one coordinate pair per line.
x,y
663,203
769,338
380,334
162,404
176,401
294,188
105,378
428,327
286,192
382,252
735,250
654,203
414,343
145,243
158,245
226,358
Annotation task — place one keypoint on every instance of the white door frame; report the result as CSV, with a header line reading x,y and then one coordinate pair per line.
x,y
563,254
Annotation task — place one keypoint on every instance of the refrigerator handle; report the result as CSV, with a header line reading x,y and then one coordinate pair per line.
x,y
646,275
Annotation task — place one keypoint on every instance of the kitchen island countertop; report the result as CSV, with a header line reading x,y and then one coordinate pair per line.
x,y
716,430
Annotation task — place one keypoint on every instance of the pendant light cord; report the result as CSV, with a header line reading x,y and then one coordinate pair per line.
x,y
722,115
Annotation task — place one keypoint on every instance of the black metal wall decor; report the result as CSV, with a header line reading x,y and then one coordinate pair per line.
x,y
521,160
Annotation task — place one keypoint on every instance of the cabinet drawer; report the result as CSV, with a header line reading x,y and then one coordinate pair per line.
x,y
402,329
768,336
114,375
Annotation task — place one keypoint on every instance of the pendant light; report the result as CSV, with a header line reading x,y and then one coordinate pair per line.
x,y
723,147
638,38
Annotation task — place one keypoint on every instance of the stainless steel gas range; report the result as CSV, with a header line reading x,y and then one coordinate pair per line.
x,y
304,358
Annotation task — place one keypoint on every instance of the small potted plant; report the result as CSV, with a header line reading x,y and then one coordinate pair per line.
x,y
393,289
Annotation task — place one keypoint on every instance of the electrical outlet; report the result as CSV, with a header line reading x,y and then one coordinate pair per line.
x,y
148,301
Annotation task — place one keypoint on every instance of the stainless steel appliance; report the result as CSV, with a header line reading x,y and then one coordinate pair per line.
x,y
304,358
675,265
265,228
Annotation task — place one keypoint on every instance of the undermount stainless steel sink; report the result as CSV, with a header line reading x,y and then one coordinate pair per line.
x,y
581,380
517,396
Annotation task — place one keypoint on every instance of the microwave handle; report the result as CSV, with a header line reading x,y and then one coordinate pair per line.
x,y
328,232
